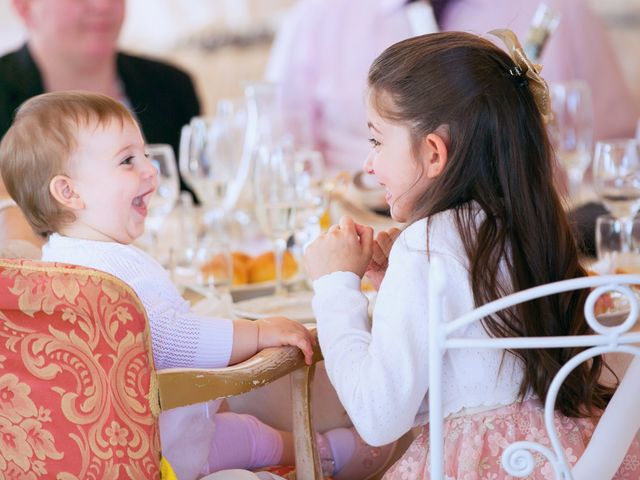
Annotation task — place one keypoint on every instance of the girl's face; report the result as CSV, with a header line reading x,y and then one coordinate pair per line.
x,y
114,182
392,161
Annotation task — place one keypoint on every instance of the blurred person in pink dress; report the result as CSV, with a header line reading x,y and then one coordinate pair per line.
x,y
323,51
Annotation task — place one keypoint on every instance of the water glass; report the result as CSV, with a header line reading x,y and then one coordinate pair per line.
x,y
618,243
214,262
276,196
571,131
210,153
312,194
164,200
616,176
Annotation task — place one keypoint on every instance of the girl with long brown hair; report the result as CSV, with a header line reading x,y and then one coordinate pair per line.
x,y
459,143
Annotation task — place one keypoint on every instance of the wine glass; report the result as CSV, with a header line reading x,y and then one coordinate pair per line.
x,y
571,131
616,179
312,194
214,262
164,200
210,152
613,258
276,196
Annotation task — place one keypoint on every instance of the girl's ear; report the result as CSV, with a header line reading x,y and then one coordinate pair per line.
x,y
61,187
435,154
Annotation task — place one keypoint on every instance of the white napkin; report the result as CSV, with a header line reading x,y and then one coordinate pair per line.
x,y
218,305
186,434
604,266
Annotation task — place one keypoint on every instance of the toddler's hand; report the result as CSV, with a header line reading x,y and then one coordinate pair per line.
x,y
280,331
380,259
345,247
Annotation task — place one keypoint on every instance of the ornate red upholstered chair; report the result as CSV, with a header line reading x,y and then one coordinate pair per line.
x,y
75,374
78,395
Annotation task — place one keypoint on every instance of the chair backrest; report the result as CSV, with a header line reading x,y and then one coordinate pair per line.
x,y
75,376
517,459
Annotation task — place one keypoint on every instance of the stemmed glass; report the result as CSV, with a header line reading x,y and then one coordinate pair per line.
x,y
166,195
312,194
572,131
214,262
210,158
616,179
210,151
276,197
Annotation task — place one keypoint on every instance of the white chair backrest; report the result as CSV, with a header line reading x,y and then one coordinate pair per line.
x,y
621,416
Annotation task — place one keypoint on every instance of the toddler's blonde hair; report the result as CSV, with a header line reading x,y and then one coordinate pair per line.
x,y
38,147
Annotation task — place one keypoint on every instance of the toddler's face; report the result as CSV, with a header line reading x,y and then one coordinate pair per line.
x,y
114,180
392,161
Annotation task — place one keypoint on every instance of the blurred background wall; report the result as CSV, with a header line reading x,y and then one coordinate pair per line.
x,y
226,42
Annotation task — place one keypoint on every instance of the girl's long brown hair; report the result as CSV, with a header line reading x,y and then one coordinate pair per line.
x,y
500,157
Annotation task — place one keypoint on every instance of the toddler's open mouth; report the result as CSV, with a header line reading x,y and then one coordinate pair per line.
x,y
140,202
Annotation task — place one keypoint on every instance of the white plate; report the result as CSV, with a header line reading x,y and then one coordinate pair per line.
x,y
295,305
251,290
613,318
187,279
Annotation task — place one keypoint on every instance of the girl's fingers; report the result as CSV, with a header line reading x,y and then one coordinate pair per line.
x,y
386,239
366,238
363,230
379,258
333,228
347,224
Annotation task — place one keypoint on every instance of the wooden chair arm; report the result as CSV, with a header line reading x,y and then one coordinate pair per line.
x,y
179,387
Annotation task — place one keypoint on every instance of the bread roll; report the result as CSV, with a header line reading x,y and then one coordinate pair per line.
x,y
262,267
247,269
216,267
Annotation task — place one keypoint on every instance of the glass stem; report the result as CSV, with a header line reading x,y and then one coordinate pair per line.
x,y
280,245
575,182
626,235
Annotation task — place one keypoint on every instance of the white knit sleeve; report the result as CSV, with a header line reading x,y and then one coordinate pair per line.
x,y
179,337
381,375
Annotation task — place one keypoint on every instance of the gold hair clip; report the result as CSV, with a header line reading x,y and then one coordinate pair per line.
x,y
530,71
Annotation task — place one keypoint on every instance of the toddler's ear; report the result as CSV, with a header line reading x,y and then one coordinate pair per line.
x,y
61,187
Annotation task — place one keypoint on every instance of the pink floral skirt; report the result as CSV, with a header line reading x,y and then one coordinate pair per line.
x,y
474,444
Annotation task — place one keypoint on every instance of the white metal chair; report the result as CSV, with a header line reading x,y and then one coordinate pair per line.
x,y
621,418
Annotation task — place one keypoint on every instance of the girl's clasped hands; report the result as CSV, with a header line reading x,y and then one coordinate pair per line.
x,y
350,247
